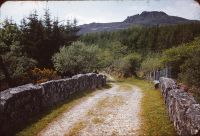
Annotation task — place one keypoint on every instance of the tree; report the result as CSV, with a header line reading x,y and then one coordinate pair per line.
x,y
8,33
13,59
33,38
43,37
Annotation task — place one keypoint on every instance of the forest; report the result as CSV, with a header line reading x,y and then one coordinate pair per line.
x,y
26,50
42,49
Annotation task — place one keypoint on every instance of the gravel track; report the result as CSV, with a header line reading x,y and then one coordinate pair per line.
x,y
111,112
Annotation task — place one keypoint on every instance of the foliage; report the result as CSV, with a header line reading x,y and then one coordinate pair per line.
x,y
43,37
176,56
190,72
147,39
31,44
151,63
14,61
81,58
77,58
127,65
36,40
43,75
185,63
174,45
168,44
111,53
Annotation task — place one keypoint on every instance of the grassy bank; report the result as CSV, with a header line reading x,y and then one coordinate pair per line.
x,y
155,120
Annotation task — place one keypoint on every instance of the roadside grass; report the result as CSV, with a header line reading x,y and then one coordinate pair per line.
x,y
154,116
40,122
76,128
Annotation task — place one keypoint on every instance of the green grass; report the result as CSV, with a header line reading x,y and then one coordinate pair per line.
x,y
39,123
154,116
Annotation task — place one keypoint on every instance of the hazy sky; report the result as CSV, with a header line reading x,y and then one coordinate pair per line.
x,y
99,11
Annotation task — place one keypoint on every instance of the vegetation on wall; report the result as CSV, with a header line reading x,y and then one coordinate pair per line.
x,y
185,63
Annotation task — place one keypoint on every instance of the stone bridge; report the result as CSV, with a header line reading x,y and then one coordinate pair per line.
x,y
19,104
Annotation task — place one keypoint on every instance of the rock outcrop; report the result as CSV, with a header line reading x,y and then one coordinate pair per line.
x,y
155,18
146,18
183,109
19,104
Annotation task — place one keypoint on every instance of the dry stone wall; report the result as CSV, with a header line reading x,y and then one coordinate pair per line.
x,y
183,109
19,104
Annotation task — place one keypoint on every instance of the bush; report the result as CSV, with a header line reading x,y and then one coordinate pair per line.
x,y
42,75
185,62
77,58
151,63
190,70
128,65
175,57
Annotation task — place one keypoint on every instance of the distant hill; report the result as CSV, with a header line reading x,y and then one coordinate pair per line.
x,y
145,18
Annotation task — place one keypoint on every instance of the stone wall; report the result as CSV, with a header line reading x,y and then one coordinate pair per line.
x,y
183,109
19,104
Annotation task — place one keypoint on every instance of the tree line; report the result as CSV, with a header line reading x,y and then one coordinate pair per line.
x,y
41,49
32,44
176,46
140,38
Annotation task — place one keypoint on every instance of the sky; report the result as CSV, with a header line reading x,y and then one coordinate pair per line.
x,y
98,11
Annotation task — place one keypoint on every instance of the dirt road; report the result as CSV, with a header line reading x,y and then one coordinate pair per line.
x,y
109,112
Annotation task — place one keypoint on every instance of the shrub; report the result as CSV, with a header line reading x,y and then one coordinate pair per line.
x,y
185,62
128,65
77,58
175,57
151,63
190,70
43,75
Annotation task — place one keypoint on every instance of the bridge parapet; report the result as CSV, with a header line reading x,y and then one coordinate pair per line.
x,y
19,104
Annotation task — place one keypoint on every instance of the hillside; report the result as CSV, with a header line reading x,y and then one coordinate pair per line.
x,y
145,18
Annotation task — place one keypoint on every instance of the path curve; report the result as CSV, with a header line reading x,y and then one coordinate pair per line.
x,y
113,111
